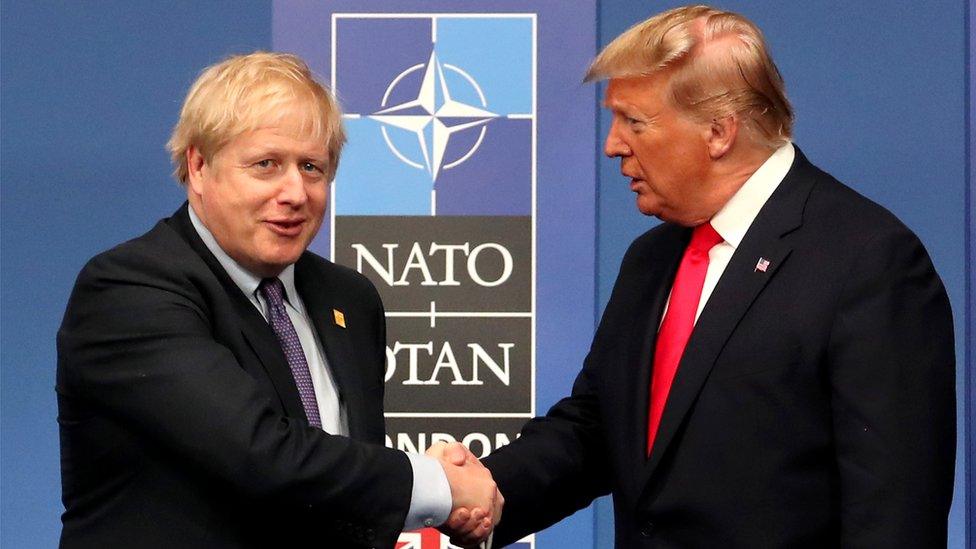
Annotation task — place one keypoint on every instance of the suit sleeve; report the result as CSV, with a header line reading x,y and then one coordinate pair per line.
x,y
556,466
137,345
891,371
559,464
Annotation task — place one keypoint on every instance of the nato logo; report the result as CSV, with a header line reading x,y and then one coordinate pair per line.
x,y
440,114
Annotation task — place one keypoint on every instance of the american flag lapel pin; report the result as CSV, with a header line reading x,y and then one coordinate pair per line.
x,y
340,319
762,265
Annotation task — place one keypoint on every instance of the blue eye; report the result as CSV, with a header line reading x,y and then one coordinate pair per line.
x,y
311,167
265,164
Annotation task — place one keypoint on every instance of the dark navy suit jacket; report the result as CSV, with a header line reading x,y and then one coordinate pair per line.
x,y
181,425
813,407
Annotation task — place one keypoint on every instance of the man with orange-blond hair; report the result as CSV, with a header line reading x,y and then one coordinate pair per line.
x,y
220,386
775,367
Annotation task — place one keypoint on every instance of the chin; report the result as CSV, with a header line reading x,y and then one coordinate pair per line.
x,y
648,209
283,253
665,217
283,261
273,265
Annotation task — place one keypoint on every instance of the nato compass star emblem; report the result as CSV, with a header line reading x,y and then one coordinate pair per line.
x,y
434,116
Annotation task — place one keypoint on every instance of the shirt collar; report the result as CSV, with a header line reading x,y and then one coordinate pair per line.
x,y
734,219
247,281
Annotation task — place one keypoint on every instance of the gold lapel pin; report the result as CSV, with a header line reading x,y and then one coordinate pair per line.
x,y
340,319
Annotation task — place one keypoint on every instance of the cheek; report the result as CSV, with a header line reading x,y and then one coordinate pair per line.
x,y
316,206
239,202
224,212
653,157
317,199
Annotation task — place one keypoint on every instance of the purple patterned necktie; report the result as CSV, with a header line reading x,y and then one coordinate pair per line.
x,y
274,291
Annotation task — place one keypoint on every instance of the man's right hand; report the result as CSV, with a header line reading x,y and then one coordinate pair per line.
x,y
477,503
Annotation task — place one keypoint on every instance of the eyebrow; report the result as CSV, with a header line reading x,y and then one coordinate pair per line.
x,y
262,150
620,106
630,110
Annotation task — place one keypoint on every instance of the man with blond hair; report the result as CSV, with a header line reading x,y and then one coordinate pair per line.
x,y
775,365
220,386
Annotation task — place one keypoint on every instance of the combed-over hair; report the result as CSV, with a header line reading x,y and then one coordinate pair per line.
x,y
246,92
720,66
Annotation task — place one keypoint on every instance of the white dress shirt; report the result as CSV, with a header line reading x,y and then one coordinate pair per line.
x,y
735,218
431,500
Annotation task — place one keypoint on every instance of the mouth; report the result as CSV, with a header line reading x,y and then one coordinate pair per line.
x,y
286,227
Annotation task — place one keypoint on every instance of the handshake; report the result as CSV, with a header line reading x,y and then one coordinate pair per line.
x,y
477,503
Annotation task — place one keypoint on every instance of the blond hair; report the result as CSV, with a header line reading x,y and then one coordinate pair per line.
x,y
247,92
720,66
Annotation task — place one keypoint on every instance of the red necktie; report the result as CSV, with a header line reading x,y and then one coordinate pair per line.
x,y
678,321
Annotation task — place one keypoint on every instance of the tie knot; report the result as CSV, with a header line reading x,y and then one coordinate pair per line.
x,y
273,290
704,237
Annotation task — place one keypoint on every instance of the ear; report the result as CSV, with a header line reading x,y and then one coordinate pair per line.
x,y
721,136
196,167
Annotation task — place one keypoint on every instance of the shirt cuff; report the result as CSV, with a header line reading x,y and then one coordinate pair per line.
x,y
430,498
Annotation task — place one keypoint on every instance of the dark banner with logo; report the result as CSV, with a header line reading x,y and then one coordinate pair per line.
x,y
448,183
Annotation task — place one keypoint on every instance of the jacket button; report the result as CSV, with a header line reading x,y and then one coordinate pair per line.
x,y
647,529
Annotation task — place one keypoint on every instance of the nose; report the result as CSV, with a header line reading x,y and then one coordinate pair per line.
x,y
614,145
292,190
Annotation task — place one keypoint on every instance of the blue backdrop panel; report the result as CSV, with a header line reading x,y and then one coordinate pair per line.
x,y
90,93
970,342
879,91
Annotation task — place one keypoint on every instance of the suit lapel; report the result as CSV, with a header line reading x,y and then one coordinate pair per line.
x,y
319,294
657,269
740,284
254,328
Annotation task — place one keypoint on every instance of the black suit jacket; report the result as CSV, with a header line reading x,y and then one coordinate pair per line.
x,y
813,407
181,425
